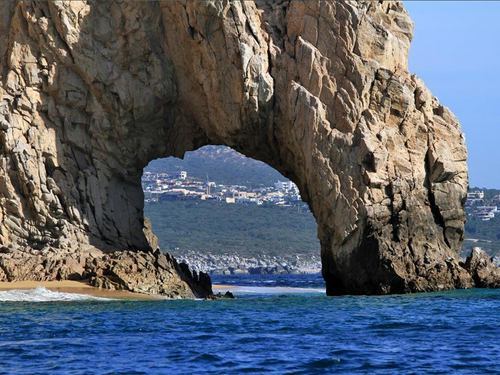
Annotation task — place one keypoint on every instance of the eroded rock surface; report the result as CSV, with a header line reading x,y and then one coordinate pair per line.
x,y
483,270
135,271
93,90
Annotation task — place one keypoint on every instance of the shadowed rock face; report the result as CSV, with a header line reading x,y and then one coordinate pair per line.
x,y
92,91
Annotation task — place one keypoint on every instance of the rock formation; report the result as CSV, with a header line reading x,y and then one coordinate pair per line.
x,y
92,91
483,270
135,271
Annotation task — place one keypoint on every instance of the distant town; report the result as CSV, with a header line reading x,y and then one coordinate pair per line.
x,y
480,207
165,186
180,186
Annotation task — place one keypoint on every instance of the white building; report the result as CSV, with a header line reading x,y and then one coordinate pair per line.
x,y
477,194
210,186
284,185
486,213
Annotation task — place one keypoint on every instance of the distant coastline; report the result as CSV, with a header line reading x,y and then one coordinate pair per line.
x,y
234,264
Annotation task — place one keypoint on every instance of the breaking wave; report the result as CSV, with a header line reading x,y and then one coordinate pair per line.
x,y
41,294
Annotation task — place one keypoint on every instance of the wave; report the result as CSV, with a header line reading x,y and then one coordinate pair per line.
x,y
41,294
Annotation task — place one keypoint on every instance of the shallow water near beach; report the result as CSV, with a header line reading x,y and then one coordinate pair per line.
x,y
295,330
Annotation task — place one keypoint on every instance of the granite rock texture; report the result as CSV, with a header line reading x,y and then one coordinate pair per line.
x,y
92,91
483,270
134,271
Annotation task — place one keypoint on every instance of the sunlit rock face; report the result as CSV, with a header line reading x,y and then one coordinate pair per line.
x,y
93,90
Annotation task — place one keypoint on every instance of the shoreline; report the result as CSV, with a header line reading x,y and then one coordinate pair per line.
x,y
83,288
77,287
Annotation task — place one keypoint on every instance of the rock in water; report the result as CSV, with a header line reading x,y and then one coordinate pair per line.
x,y
484,272
93,90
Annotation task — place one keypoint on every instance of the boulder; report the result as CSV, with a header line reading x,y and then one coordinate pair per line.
x,y
485,273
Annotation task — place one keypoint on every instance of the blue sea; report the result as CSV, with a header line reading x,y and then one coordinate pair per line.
x,y
277,324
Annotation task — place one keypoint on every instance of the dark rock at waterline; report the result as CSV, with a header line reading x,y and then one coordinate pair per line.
x,y
227,295
199,282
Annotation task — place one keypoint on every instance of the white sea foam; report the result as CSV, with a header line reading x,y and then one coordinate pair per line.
x,y
41,294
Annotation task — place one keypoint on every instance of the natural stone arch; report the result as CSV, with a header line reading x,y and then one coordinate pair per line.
x,y
92,91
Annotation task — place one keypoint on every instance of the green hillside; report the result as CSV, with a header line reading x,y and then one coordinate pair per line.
x,y
233,228
485,234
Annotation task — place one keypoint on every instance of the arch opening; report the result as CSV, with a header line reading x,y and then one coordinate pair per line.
x,y
224,213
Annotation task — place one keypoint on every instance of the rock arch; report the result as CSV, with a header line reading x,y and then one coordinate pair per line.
x,y
92,91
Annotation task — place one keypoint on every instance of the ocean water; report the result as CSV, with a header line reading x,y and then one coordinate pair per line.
x,y
274,326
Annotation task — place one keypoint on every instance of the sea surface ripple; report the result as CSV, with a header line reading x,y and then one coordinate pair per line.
x,y
447,332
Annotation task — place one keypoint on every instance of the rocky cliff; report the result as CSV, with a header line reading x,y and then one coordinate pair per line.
x,y
92,91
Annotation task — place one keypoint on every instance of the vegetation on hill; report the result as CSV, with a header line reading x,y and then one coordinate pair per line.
x,y
221,164
221,228
485,234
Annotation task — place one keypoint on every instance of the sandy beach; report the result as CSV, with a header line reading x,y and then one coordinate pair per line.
x,y
77,287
